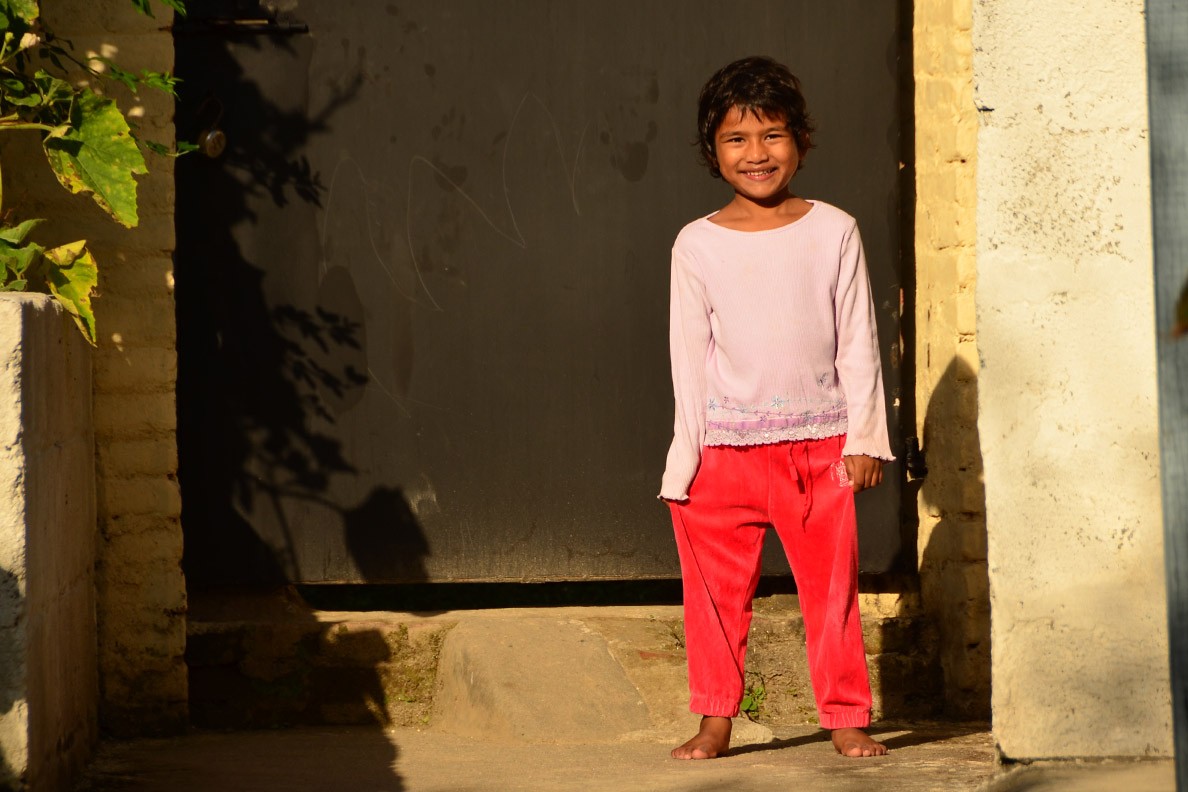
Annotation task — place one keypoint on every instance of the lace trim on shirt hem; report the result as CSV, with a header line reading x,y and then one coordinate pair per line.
x,y
747,437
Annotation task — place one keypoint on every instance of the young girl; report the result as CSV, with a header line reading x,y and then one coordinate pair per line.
x,y
779,407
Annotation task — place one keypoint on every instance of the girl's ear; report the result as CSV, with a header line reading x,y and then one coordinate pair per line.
x,y
804,143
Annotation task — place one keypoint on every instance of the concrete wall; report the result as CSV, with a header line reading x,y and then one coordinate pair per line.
x,y
141,591
952,533
1067,410
48,680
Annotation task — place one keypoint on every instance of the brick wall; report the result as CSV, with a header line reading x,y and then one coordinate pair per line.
x,y
140,589
952,535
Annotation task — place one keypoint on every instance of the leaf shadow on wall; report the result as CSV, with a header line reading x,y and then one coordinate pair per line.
x,y
268,364
265,372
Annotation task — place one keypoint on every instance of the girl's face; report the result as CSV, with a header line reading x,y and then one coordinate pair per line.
x,y
757,155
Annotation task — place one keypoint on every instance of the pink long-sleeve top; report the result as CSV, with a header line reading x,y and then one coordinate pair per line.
x,y
772,338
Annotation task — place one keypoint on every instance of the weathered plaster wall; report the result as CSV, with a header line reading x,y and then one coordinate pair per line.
x,y
1067,411
48,680
141,591
952,533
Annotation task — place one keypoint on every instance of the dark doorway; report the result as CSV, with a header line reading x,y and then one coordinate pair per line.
x,y
422,294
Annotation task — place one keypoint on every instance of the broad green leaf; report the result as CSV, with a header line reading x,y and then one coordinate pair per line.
x,y
16,234
18,259
17,15
24,10
24,101
97,155
53,89
16,285
71,277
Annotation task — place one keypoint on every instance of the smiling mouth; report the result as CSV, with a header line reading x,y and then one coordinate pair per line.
x,y
759,173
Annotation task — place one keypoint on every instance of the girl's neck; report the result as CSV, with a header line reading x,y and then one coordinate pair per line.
x,y
744,214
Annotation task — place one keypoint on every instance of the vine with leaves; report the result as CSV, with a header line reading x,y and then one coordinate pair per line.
x,y
88,144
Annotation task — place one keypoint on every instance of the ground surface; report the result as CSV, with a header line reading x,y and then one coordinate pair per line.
x,y
941,758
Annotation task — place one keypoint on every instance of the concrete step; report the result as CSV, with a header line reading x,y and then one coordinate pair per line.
x,y
559,674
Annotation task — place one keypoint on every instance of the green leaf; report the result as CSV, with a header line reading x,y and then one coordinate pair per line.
x,y
161,81
160,149
18,259
177,5
24,10
17,15
143,6
16,234
53,89
97,155
71,278
112,71
24,101
15,285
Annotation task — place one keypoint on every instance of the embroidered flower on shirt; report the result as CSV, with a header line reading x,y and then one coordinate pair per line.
x,y
778,401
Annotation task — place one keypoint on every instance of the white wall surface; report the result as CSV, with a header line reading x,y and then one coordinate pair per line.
x,y
1067,389
48,676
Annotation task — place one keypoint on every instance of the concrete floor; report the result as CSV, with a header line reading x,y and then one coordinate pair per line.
x,y
929,758
572,699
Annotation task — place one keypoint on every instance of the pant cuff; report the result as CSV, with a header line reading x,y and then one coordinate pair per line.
x,y
714,707
846,719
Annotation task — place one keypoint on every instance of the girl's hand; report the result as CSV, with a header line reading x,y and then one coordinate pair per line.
x,y
864,472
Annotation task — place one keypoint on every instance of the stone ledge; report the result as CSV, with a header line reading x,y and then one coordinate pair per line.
x,y
270,660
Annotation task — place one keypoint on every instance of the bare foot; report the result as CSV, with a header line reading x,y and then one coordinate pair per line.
x,y
712,740
855,742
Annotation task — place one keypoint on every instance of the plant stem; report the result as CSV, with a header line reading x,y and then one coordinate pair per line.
x,y
28,125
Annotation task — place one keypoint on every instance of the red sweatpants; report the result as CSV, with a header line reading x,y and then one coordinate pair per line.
x,y
801,489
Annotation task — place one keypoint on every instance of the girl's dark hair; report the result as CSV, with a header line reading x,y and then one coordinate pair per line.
x,y
756,85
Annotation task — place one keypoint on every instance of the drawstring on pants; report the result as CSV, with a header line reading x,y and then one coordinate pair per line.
x,y
798,456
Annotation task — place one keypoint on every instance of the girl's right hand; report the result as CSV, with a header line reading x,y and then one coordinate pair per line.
x,y
864,471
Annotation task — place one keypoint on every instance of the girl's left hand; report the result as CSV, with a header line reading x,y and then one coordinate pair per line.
x,y
864,472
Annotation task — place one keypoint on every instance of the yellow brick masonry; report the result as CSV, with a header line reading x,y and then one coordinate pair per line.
x,y
952,535
141,591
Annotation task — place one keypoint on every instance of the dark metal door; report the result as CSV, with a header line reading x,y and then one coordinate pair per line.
x,y
422,295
